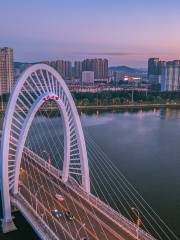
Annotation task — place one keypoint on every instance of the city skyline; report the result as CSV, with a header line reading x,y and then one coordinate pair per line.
x,y
74,30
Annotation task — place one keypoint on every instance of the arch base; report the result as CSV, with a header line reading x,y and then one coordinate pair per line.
x,y
8,226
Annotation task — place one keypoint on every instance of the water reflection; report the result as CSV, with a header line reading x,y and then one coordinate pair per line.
x,y
167,113
122,110
162,113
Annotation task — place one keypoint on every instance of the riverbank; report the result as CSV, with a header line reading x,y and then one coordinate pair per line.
x,y
124,106
120,106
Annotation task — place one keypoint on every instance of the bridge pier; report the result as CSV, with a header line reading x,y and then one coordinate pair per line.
x,y
8,226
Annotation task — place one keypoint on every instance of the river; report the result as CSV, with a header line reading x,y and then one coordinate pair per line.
x,y
145,146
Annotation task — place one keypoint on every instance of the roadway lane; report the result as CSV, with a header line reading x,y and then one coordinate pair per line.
x,y
45,214
97,225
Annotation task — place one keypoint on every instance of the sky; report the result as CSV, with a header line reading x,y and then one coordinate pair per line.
x,y
126,32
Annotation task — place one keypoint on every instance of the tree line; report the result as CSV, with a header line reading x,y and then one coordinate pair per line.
x,y
119,97
125,97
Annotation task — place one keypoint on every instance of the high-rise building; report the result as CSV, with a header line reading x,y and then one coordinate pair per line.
x,y
87,65
77,69
154,70
153,66
68,70
7,79
64,68
170,77
98,66
161,65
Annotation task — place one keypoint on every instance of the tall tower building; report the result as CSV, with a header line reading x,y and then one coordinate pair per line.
x,y
98,66
153,66
105,69
59,66
154,70
78,69
170,77
68,70
64,68
7,79
87,65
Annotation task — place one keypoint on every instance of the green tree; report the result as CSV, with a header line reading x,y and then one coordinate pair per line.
x,y
85,101
116,101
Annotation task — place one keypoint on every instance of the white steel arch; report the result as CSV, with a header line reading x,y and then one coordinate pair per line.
x,y
37,84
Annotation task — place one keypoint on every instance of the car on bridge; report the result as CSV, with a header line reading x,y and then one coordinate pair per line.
x,y
56,213
59,197
69,215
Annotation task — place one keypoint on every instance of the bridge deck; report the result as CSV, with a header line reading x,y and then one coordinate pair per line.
x,y
99,223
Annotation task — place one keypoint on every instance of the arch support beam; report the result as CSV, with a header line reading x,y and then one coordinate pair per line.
x,y
36,85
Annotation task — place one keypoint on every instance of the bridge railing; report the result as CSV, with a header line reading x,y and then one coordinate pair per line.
x,y
40,160
118,217
30,214
109,211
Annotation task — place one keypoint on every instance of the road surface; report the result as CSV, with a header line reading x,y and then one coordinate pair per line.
x,y
39,187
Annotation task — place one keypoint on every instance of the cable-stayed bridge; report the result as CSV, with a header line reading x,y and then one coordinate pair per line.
x,y
47,176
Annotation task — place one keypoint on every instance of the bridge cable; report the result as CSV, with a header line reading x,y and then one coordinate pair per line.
x,y
121,177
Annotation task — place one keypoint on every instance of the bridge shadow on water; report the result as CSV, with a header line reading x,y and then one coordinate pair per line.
x,y
23,232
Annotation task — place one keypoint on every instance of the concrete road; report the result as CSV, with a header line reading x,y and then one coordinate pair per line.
x,y
40,184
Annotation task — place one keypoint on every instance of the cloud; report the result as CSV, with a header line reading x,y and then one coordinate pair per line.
x,y
108,53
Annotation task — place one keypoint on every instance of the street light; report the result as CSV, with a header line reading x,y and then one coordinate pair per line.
x,y
132,96
36,194
42,215
49,159
83,225
138,221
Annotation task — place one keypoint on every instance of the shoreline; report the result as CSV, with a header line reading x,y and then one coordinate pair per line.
x,y
124,106
121,106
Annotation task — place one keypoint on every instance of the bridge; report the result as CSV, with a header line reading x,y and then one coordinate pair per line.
x,y
57,203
